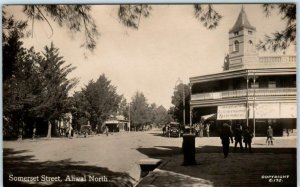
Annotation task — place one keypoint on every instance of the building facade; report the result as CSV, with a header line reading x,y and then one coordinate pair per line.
x,y
255,91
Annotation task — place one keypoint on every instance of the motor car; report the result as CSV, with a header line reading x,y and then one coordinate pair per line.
x,y
174,129
86,130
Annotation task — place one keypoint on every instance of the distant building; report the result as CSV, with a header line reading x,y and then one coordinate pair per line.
x,y
255,91
117,124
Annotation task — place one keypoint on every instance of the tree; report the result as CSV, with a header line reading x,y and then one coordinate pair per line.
x,y
80,110
139,112
161,116
280,39
102,100
20,82
53,101
76,18
123,108
130,16
177,101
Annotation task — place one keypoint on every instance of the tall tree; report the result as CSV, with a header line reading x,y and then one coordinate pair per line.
x,y
177,101
102,99
53,100
161,116
139,112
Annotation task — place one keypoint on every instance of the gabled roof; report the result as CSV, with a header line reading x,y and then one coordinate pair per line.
x,y
241,22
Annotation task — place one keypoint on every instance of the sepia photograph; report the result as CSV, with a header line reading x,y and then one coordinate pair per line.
x,y
144,95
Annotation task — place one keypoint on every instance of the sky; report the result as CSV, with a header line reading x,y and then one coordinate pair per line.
x,y
168,45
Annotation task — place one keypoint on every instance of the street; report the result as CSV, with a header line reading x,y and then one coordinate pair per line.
x,y
112,160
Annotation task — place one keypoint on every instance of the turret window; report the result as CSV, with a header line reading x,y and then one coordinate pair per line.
x,y
236,33
236,46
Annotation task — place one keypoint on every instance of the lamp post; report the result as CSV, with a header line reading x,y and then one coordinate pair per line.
x,y
183,98
129,117
254,86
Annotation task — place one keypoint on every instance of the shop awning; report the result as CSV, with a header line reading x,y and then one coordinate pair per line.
x,y
209,117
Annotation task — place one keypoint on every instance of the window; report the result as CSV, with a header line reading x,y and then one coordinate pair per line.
x,y
236,33
250,45
236,46
250,32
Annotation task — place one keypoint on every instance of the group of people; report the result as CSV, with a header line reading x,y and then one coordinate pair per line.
x,y
240,135
200,128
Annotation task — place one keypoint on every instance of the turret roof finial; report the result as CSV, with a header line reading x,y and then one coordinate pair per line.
x,y
242,22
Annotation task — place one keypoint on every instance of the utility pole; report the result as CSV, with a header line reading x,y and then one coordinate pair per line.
x,y
129,118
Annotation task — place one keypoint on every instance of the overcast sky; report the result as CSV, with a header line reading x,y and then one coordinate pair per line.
x,y
168,45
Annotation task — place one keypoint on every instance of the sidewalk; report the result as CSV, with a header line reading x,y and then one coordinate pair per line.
x,y
239,169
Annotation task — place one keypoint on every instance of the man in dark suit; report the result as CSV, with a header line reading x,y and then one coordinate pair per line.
x,y
226,136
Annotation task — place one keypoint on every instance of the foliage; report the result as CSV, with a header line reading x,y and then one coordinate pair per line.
x,y
177,101
76,18
20,79
161,116
130,15
207,15
100,100
35,85
139,112
53,100
280,39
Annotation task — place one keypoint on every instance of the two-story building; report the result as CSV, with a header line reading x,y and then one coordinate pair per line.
x,y
255,91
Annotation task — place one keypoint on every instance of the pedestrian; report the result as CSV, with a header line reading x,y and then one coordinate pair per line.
x,y
164,130
247,135
207,129
197,128
201,129
238,138
269,136
226,136
33,132
106,130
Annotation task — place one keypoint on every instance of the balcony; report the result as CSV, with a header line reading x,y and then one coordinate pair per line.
x,y
277,59
243,93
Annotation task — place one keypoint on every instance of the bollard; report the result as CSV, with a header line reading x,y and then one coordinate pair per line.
x,y
188,149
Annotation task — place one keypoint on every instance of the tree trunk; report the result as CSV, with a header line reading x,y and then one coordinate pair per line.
x,y
49,129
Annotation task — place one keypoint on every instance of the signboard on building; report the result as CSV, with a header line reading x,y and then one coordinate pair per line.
x,y
230,112
288,110
264,111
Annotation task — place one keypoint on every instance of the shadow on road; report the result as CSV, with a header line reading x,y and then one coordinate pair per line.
x,y
169,151
239,169
18,165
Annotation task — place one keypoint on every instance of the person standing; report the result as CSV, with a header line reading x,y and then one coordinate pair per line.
x,y
207,129
269,136
106,130
226,136
247,139
238,138
201,129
